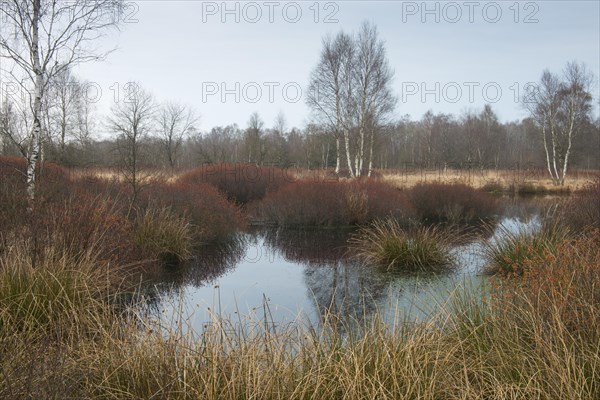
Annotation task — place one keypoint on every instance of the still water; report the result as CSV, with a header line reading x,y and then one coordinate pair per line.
x,y
290,275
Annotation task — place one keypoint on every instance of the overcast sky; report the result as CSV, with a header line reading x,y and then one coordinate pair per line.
x,y
229,59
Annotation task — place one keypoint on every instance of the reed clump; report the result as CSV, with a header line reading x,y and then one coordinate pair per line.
x,y
387,244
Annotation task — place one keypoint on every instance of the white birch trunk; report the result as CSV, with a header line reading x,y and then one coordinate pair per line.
x,y
36,129
547,152
348,156
338,156
371,152
570,140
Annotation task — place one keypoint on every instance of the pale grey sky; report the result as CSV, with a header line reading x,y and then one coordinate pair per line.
x,y
447,56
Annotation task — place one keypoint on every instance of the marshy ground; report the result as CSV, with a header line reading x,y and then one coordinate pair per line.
x,y
79,276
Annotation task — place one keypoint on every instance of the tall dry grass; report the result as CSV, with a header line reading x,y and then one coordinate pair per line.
x,y
506,181
163,235
520,341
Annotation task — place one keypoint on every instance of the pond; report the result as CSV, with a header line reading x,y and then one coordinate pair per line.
x,y
283,276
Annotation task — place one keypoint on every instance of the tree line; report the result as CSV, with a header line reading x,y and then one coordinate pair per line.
x,y
147,133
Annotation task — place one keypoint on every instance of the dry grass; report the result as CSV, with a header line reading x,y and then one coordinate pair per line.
x,y
163,235
110,173
507,180
514,251
524,343
385,243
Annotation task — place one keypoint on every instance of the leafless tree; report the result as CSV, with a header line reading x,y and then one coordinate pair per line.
x,y
41,38
132,121
220,145
330,89
253,139
280,125
14,124
560,106
375,101
175,123
86,123
350,93
64,98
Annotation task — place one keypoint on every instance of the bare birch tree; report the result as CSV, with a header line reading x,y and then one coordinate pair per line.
x,y
14,123
41,38
253,139
86,122
175,123
329,88
375,101
132,121
350,93
63,100
560,106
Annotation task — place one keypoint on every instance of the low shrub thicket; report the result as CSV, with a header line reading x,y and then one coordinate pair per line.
x,y
13,197
453,203
241,183
211,217
320,203
85,222
93,214
582,211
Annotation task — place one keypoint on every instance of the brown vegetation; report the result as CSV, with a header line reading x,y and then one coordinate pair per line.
x,y
241,183
326,203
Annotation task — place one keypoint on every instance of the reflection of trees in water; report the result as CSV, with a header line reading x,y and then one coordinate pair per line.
x,y
207,265
345,292
341,290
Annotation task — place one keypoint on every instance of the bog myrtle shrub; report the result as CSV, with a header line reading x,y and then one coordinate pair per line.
x,y
241,183
328,203
455,203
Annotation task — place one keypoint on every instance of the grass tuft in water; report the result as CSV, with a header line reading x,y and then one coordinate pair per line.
x,y
387,244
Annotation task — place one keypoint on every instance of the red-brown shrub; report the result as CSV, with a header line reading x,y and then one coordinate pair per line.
x,y
315,203
13,198
440,202
212,216
84,221
241,183
582,210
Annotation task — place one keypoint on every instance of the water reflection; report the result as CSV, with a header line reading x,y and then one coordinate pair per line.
x,y
205,268
284,274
